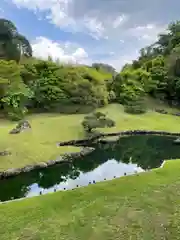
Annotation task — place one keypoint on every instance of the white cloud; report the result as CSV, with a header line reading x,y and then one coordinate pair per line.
x,y
120,26
71,53
65,52
80,54
119,20
74,15
96,27
146,33
119,61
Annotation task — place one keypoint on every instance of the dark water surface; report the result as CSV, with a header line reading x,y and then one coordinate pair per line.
x,y
129,155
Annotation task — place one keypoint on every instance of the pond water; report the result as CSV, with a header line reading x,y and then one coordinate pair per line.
x,y
128,156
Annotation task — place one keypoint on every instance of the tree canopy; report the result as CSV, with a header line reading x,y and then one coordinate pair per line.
x,y
28,83
12,44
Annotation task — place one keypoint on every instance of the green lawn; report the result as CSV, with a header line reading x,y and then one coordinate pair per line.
x,y
39,144
144,206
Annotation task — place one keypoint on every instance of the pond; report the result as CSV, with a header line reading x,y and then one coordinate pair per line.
x,y
128,156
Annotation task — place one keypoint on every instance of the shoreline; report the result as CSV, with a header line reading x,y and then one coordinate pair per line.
x,y
23,198
65,158
86,144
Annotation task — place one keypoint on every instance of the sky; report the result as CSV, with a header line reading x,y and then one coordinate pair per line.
x,y
87,31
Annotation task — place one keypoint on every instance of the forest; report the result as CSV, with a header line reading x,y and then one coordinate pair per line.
x,y
29,84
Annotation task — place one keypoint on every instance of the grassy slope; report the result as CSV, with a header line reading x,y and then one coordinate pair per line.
x,y
38,144
132,207
47,129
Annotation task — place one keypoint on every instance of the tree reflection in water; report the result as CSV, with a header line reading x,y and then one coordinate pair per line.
x,y
146,152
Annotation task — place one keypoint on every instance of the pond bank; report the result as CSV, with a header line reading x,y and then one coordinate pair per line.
x,y
142,206
86,143
66,158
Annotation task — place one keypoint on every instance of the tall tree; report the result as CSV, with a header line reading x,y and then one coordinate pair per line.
x,y
12,44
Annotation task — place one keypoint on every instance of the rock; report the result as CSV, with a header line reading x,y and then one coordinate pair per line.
x,y
103,141
21,126
5,153
11,172
86,151
41,165
59,159
50,163
14,131
177,141
27,168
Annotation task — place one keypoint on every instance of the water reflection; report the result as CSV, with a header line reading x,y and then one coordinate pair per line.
x,y
129,155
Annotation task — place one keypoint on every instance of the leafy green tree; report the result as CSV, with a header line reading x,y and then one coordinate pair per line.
x,y
14,92
57,87
104,67
12,44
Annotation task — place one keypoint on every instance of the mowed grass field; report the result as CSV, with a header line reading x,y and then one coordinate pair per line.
x,y
144,206
39,143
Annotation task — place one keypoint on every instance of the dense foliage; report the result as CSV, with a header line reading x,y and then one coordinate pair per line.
x,y
97,120
27,83
13,45
156,72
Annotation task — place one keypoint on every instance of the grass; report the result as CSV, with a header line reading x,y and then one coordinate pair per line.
x,y
144,206
39,144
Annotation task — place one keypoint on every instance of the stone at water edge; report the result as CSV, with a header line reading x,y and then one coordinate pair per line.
x,y
177,141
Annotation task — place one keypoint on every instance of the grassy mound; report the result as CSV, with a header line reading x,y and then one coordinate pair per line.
x,y
144,206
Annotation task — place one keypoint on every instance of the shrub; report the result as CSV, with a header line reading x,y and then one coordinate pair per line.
x,y
99,115
13,96
96,120
64,88
135,107
162,111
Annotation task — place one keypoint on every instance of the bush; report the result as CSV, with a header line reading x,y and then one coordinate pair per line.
x,y
162,111
135,107
64,88
110,123
16,114
99,115
13,96
97,120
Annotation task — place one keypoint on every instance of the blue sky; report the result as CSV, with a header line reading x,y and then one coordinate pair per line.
x,y
86,31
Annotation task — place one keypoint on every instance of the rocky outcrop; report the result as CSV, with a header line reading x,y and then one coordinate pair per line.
x,y
21,126
66,158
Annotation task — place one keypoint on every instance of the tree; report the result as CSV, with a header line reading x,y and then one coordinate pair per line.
x,y
61,87
12,44
13,92
105,67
